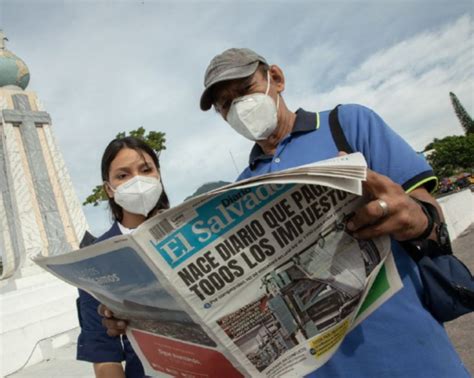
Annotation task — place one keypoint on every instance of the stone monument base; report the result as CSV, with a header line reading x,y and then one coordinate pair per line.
x,y
37,315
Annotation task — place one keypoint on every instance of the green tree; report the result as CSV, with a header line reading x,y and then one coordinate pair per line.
x,y
155,139
452,155
430,145
465,119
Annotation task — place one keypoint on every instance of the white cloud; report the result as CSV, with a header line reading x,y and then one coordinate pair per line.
x,y
409,83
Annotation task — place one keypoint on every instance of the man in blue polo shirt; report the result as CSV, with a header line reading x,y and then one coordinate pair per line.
x,y
401,338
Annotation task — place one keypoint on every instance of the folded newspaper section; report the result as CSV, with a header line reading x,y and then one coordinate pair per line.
x,y
259,278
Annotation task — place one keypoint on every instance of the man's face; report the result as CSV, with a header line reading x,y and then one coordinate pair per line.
x,y
226,92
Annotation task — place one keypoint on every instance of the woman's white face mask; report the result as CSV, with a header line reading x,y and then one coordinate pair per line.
x,y
138,195
254,116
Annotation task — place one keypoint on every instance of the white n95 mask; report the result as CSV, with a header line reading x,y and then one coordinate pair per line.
x,y
254,116
138,195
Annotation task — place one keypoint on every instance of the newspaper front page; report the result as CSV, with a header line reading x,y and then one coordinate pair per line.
x,y
258,278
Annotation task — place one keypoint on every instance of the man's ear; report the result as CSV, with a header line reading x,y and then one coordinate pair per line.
x,y
278,78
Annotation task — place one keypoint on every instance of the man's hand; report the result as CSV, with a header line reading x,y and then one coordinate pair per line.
x,y
390,211
115,327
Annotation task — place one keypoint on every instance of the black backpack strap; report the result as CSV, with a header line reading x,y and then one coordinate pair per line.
x,y
337,134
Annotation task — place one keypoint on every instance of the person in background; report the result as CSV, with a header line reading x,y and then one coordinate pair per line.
x,y
131,175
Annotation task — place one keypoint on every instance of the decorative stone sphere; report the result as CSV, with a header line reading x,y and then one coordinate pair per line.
x,y
13,71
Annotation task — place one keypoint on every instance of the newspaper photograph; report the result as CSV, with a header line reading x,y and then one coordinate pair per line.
x,y
258,278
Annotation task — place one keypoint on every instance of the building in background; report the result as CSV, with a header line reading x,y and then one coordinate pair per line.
x,y
39,213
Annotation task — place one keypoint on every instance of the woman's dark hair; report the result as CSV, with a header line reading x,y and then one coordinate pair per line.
x,y
141,147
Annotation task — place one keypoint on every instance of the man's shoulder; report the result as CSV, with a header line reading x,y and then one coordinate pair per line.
x,y
350,108
354,110
349,115
356,120
350,121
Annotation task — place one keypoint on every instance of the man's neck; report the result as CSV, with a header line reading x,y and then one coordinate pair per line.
x,y
285,125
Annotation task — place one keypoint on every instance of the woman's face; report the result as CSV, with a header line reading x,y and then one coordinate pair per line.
x,y
127,164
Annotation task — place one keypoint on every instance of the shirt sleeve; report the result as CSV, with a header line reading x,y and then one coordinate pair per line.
x,y
244,175
385,151
93,344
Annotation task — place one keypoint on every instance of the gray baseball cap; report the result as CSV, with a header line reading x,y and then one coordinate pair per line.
x,y
231,64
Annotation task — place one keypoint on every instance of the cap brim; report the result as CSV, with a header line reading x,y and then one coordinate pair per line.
x,y
206,101
231,74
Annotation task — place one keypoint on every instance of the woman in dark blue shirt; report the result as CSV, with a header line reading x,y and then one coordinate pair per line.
x,y
131,175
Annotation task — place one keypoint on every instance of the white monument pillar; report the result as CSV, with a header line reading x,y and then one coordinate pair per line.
x,y
39,213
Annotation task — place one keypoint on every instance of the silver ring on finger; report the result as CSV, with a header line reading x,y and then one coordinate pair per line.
x,y
384,206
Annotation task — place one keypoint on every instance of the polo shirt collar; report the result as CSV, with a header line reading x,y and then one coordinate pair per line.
x,y
304,122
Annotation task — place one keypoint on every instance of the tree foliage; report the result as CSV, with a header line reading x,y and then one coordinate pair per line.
x,y
452,155
465,119
155,139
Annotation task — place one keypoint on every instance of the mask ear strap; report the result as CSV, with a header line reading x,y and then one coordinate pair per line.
x,y
110,186
268,89
268,81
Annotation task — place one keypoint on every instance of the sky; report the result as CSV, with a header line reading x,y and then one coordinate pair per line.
x,y
102,67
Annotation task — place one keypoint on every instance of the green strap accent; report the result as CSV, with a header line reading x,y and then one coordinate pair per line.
x,y
317,120
418,184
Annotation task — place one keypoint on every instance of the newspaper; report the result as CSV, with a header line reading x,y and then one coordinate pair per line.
x,y
256,279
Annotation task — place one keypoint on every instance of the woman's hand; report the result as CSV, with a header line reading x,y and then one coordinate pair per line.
x,y
108,370
115,327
